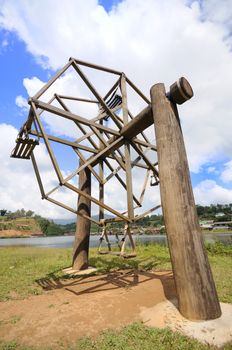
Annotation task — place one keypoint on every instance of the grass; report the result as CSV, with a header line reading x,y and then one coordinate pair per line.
x,y
133,337
22,267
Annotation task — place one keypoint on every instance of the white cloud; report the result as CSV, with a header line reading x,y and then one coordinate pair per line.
x,y
21,102
18,186
150,45
152,41
209,192
226,174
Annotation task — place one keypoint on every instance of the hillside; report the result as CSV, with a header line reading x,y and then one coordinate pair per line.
x,y
18,227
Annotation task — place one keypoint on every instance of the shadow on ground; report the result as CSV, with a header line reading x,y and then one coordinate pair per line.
x,y
110,281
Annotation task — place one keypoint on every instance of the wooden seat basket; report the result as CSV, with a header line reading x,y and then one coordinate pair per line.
x,y
24,147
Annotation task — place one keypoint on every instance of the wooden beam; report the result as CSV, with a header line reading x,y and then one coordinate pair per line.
x,y
83,161
196,292
139,92
93,159
66,142
121,181
95,93
130,208
101,184
52,80
146,160
62,205
77,99
95,66
142,121
71,116
147,212
37,174
49,149
94,200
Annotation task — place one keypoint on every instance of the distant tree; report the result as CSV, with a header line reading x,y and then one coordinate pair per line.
x,y
29,213
3,212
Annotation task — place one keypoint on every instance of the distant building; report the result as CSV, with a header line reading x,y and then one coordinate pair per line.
x,y
219,215
222,224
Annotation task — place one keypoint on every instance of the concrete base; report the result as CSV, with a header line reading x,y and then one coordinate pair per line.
x,y
216,332
72,272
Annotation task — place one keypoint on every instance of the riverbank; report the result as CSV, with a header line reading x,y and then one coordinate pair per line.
x,y
34,291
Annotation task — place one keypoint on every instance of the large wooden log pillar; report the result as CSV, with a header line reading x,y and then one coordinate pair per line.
x,y
81,244
197,296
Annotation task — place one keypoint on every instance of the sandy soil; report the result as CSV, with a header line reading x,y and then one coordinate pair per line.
x,y
15,233
78,307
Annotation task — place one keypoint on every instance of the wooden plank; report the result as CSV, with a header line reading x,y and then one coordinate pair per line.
x,y
82,235
197,296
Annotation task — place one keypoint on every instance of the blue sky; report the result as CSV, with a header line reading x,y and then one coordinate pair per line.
x,y
200,50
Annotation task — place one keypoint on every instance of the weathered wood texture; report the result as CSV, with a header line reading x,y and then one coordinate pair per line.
x,y
195,286
81,244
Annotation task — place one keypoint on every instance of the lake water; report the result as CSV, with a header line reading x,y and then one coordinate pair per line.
x,y
67,241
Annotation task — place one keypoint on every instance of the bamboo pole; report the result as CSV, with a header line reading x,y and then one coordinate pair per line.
x,y
195,286
81,243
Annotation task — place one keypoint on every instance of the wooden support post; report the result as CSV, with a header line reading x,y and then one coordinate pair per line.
x,y
101,184
130,207
195,286
81,244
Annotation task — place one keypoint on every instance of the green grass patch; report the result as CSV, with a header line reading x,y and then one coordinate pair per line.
x,y
22,267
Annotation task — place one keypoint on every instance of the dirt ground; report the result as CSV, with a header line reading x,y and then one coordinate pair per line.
x,y
78,307
15,233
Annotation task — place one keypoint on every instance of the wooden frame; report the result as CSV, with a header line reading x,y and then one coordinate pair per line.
x,y
113,143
